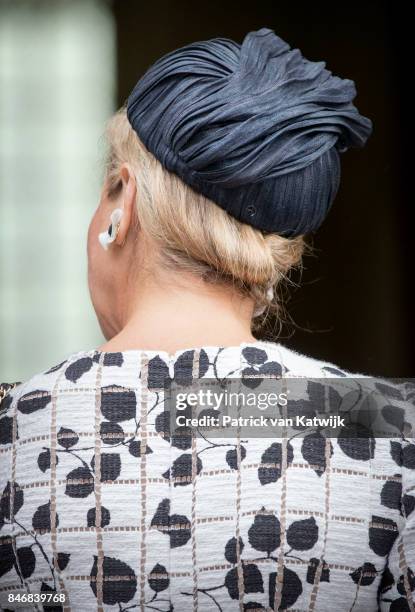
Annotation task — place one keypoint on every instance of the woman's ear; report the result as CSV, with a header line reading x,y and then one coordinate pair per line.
x,y
128,202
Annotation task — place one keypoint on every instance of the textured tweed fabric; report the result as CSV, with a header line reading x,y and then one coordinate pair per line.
x,y
99,502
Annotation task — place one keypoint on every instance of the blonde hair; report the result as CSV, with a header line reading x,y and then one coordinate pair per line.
x,y
192,232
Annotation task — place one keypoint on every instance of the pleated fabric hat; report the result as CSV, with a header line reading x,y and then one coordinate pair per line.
x,y
256,127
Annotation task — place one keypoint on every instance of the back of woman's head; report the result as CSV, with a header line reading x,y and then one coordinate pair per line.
x,y
235,148
191,232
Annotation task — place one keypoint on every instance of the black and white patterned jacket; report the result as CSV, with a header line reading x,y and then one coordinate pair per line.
x,y
100,503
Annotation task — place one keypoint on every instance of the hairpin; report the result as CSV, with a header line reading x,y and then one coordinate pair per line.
x,y
261,309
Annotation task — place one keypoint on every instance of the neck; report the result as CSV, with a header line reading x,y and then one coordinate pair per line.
x,y
170,318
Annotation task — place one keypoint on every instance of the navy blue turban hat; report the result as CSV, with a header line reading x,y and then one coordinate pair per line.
x,y
257,128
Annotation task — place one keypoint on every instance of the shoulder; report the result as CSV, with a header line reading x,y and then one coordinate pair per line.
x,y
30,399
304,365
387,403
77,368
26,402
59,396
27,395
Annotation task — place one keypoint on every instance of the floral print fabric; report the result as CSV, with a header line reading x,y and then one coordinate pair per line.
x,y
100,502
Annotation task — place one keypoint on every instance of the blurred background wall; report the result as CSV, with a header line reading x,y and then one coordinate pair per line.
x,y
57,87
66,64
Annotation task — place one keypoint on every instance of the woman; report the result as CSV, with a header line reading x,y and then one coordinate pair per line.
x,y
224,158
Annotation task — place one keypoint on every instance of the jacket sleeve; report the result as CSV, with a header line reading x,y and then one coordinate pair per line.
x,y
397,588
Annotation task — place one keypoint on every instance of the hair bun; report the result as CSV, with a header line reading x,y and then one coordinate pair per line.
x,y
255,127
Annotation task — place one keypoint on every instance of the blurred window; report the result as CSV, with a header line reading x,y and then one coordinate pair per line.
x,y
57,88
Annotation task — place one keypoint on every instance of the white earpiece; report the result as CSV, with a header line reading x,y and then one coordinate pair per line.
x,y
105,238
